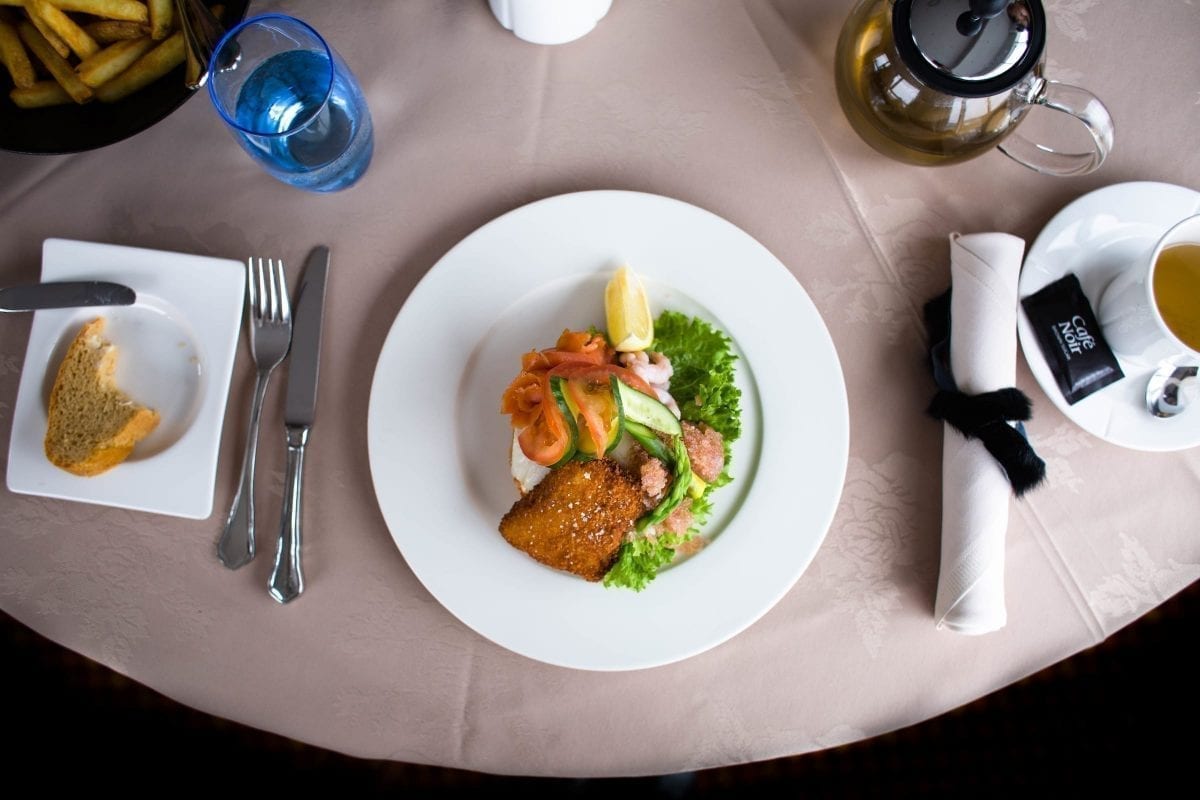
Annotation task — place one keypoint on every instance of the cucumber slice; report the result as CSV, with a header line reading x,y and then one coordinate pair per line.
x,y
618,427
647,410
560,401
649,441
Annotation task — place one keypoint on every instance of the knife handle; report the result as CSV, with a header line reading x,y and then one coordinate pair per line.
x,y
287,578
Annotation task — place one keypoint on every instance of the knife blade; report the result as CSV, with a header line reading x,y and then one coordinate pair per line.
x,y
287,576
65,294
305,356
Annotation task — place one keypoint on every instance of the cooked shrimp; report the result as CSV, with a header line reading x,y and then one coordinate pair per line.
x,y
656,370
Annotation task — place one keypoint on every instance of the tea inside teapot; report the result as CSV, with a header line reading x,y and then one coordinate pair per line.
x,y
942,81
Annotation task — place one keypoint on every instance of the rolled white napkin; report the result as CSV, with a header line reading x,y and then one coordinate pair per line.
x,y
984,268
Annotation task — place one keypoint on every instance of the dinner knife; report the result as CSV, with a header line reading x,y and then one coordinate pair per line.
x,y
66,294
287,577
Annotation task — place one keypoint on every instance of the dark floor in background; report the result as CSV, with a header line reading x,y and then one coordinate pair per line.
x,y
1119,714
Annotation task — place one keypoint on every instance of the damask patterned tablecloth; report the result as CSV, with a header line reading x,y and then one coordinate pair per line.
x,y
726,105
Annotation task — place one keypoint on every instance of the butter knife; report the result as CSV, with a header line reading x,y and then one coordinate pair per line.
x,y
66,294
287,577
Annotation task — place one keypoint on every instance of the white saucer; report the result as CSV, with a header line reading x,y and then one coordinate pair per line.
x,y
176,348
1095,237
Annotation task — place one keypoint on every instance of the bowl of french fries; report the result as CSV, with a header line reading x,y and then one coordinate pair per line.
x,y
80,74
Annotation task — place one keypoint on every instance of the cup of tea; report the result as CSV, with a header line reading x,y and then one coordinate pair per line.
x,y
1151,311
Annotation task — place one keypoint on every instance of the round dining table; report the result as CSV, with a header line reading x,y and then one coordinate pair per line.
x,y
726,105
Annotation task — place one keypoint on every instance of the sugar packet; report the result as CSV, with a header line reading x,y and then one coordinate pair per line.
x,y
1071,339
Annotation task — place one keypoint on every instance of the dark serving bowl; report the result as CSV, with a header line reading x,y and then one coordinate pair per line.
x,y
75,128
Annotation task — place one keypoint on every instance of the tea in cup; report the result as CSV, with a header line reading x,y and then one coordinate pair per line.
x,y
1151,311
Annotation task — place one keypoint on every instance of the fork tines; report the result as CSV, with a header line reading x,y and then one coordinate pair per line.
x,y
273,304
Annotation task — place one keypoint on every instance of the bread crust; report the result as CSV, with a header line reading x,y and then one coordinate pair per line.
x,y
112,451
105,451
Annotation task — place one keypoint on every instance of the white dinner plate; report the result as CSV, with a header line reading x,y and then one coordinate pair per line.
x,y
175,351
1095,237
438,443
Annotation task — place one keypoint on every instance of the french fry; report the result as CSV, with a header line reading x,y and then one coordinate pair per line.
x,y
162,17
112,61
40,95
93,49
75,37
128,10
14,57
107,31
47,32
54,63
147,69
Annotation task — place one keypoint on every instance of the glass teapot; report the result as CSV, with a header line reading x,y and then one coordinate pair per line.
x,y
941,81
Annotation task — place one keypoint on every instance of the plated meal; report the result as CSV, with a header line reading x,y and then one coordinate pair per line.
x,y
441,451
619,439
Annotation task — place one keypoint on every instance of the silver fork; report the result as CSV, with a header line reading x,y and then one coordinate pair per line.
x,y
269,318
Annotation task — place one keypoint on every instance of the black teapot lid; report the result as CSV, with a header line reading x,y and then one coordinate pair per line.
x,y
970,48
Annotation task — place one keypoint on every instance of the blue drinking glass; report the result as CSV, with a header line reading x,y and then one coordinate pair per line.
x,y
292,103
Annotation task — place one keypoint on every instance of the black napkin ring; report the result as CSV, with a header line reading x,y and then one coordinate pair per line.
x,y
983,416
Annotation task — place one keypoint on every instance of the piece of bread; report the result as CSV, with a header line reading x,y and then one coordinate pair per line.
x,y
93,425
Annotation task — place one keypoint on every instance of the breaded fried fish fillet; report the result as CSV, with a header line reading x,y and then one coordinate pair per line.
x,y
576,517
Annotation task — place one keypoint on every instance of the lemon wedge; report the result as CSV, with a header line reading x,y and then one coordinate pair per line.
x,y
627,311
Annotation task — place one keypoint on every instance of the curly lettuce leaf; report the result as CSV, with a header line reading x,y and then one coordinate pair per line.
x,y
641,558
703,383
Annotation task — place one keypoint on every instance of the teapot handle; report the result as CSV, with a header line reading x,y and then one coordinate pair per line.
x,y
1083,106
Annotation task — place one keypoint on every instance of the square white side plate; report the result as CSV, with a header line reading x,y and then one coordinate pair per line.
x,y
175,353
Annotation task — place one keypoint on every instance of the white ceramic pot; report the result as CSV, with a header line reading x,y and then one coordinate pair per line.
x,y
549,21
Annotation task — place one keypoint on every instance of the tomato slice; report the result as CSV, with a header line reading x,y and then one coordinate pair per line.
x,y
551,438
597,407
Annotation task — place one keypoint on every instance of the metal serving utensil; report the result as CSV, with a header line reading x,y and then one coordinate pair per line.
x,y
201,32
1164,397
